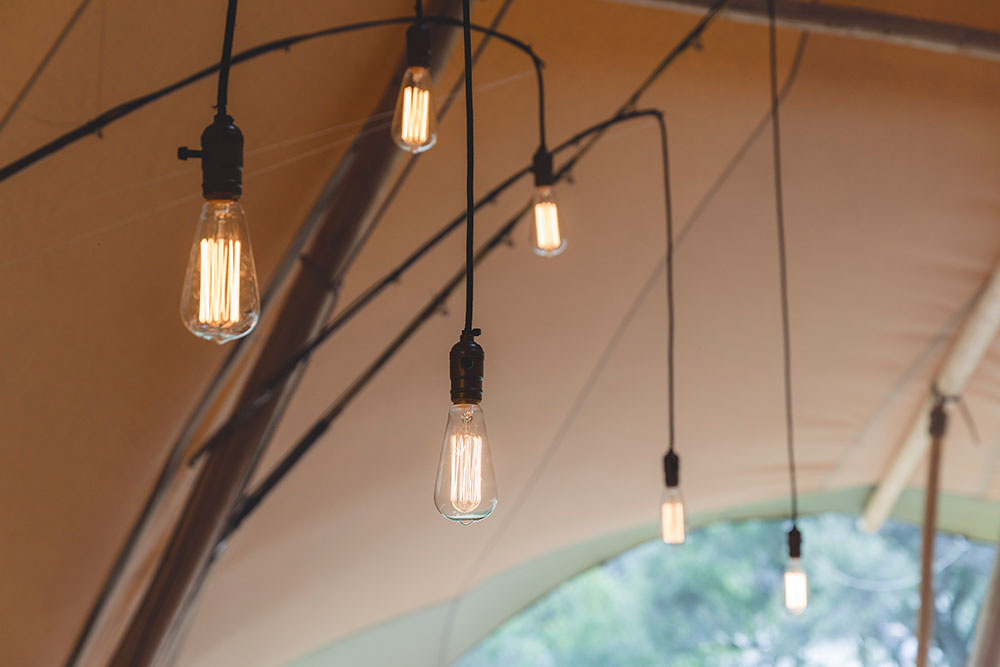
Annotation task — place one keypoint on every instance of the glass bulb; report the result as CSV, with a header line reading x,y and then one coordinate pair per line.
x,y
414,123
546,239
220,300
796,586
466,489
672,516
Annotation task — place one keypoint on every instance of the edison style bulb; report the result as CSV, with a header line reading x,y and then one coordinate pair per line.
x,y
220,300
672,516
796,586
414,123
546,238
466,489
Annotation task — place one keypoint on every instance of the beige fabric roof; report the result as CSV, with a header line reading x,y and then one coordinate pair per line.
x,y
891,172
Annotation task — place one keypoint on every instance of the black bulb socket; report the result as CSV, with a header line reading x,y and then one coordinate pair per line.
x,y
221,158
466,366
939,420
794,543
418,45
541,166
672,469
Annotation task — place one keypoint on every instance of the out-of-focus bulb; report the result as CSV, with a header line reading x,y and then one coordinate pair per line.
x,y
220,300
414,123
466,489
796,586
672,516
546,238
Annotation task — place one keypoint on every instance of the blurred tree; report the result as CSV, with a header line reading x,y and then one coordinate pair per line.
x,y
717,600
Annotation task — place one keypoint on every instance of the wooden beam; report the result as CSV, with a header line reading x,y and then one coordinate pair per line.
x,y
347,206
853,22
925,616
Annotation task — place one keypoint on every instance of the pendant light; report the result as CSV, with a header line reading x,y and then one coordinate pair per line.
x,y
547,238
796,582
220,300
672,503
465,490
414,122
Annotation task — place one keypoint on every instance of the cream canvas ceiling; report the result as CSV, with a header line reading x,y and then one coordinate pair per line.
x,y
891,172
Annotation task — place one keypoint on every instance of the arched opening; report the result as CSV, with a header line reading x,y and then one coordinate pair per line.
x,y
718,601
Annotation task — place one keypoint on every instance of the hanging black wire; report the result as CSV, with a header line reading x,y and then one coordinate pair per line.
x,y
309,439
782,254
226,62
665,154
470,161
96,125
418,9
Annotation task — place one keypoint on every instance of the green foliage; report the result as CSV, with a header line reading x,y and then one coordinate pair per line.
x,y
717,600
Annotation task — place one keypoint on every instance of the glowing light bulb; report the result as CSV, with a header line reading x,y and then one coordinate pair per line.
x,y
414,124
796,586
546,238
220,300
672,516
466,489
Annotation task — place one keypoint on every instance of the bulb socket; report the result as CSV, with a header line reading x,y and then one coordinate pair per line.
x,y
418,46
794,543
672,469
467,359
541,166
939,420
222,160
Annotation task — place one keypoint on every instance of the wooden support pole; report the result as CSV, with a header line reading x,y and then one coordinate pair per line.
x,y
853,22
925,616
347,205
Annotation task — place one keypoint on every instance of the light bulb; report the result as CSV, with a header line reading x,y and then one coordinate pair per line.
x,y
220,300
414,123
796,586
465,490
672,516
546,238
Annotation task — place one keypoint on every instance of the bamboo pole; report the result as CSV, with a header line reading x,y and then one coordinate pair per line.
x,y
925,616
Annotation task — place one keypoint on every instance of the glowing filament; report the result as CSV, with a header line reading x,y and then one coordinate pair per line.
x,y
416,114
466,471
219,297
547,226
796,590
672,521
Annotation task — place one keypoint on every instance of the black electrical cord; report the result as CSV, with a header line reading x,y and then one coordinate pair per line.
x,y
470,162
782,254
307,441
665,153
96,125
418,9
226,62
